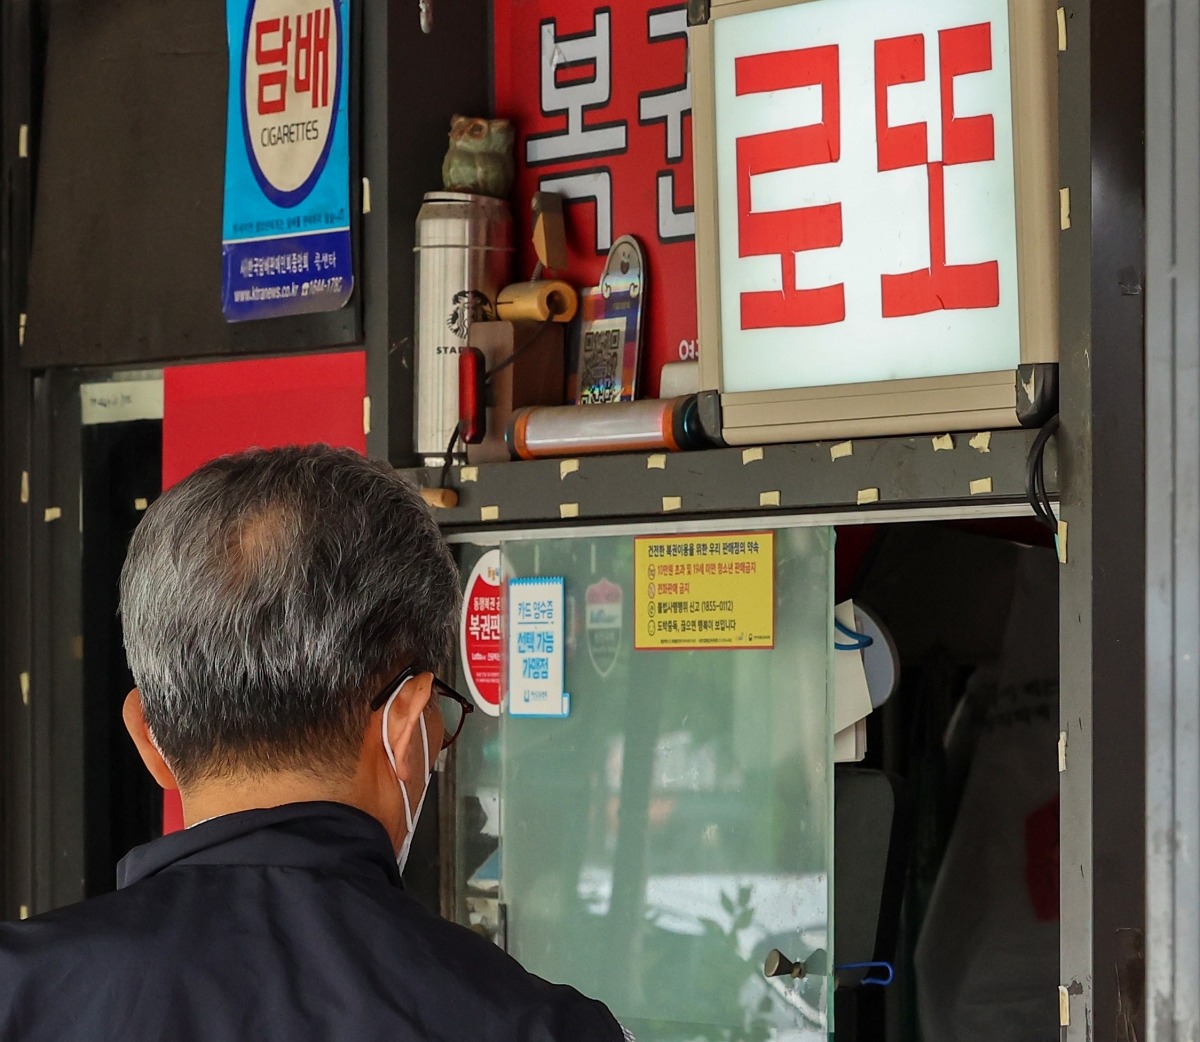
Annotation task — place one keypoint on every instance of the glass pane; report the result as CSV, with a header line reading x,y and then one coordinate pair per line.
x,y
475,758
677,825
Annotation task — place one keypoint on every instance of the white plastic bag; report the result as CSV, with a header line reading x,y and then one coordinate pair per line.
x,y
987,956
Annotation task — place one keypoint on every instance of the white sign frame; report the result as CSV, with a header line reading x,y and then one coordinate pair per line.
x,y
937,403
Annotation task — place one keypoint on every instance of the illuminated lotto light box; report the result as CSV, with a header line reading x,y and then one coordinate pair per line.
x,y
877,215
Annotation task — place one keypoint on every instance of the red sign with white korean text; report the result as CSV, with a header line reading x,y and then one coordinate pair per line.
x,y
479,637
601,98
866,193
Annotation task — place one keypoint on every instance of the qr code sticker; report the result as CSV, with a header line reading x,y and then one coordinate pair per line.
x,y
601,358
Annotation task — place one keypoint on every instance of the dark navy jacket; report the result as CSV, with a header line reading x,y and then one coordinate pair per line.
x,y
282,925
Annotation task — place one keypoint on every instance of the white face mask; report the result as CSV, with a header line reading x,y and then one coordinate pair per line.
x,y
410,815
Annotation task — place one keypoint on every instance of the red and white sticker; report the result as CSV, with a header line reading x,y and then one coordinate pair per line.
x,y
479,636
604,625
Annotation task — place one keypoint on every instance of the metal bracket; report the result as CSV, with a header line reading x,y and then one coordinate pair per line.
x,y
698,12
708,411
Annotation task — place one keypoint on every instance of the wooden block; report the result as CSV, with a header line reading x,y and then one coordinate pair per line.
x,y
440,498
537,377
549,231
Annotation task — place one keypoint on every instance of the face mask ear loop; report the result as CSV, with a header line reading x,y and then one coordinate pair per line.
x,y
387,748
409,820
410,816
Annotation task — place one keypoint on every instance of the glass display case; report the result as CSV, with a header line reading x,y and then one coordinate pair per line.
x,y
651,847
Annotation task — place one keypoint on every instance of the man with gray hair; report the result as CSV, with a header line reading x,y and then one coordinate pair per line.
x,y
286,616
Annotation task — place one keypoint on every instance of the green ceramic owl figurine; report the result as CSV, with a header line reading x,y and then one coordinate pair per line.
x,y
480,157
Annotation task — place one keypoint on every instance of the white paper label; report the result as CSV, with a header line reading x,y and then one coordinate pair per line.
x,y
536,634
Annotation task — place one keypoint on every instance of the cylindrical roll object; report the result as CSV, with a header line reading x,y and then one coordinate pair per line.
x,y
440,498
578,430
537,301
463,257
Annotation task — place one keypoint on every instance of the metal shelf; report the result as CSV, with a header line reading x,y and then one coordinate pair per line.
x,y
772,479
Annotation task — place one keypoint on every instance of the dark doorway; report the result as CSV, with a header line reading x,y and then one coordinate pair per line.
x,y
122,475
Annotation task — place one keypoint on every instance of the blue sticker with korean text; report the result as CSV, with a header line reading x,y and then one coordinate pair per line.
x,y
286,231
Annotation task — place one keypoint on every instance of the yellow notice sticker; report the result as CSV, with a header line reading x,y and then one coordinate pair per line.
x,y
704,591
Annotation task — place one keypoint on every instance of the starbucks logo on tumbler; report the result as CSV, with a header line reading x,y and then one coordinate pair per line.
x,y
291,83
467,306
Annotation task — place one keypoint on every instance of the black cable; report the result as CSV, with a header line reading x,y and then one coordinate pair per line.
x,y
1035,475
454,436
529,341
1031,489
1035,488
487,379
1052,424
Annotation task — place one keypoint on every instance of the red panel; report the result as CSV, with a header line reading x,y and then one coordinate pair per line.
x,y
851,551
213,410
607,109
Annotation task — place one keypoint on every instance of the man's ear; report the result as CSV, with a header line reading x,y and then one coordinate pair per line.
x,y
135,724
403,720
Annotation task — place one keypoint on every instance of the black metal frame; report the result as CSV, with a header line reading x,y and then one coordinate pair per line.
x,y
16,410
1101,446
1102,452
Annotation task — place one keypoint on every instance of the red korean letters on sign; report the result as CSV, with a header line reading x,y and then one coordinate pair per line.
x,y
964,139
296,44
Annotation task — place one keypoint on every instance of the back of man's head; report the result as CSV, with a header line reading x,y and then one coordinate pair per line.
x,y
265,594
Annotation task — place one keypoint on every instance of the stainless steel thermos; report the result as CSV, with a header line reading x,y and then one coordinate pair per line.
x,y
464,252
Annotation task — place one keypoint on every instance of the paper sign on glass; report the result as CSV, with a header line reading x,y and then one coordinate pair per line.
x,y
536,635
704,591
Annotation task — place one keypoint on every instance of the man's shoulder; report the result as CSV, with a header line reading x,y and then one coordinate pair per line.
x,y
101,946
127,942
101,928
486,977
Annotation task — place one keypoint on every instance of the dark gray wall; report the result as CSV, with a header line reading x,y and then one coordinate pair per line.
x,y
131,156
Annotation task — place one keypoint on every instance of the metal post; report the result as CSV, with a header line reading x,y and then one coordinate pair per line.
x,y
1101,458
1173,519
16,406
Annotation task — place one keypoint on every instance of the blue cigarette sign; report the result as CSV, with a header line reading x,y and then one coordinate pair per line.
x,y
286,234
